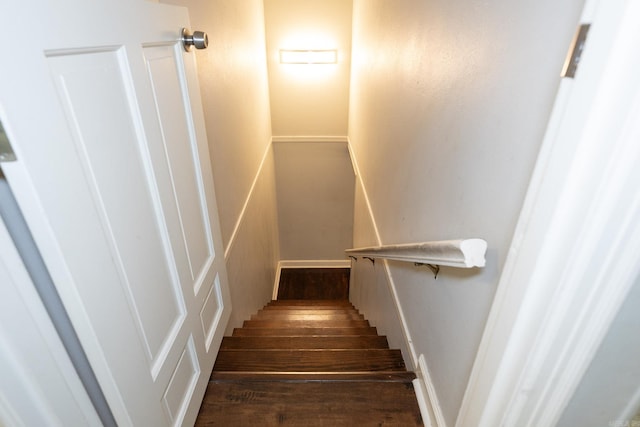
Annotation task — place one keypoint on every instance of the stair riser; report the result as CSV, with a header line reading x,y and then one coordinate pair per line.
x,y
309,360
301,342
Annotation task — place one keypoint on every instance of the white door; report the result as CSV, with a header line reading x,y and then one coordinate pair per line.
x,y
113,176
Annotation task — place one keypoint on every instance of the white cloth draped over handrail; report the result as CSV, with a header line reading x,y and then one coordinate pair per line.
x,y
463,253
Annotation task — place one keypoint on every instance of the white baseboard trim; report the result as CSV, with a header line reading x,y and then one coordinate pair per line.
x,y
426,396
307,263
328,138
315,263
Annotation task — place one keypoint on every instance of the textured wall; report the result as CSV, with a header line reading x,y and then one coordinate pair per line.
x,y
254,256
315,185
449,102
308,99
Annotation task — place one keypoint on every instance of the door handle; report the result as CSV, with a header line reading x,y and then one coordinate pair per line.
x,y
199,39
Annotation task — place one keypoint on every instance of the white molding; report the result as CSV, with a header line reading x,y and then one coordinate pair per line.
x,y
576,249
310,138
307,263
426,395
243,212
276,284
315,263
356,170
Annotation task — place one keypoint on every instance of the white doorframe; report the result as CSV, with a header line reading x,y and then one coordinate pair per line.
x,y
576,249
39,383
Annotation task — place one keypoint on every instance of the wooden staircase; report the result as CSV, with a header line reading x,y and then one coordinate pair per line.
x,y
309,363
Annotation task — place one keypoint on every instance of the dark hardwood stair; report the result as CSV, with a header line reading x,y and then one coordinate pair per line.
x,y
309,363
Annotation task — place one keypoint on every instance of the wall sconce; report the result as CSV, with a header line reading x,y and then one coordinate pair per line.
x,y
324,56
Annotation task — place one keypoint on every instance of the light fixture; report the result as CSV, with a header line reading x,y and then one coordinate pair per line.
x,y
307,56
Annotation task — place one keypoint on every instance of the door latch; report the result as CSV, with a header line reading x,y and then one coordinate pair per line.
x,y
575,52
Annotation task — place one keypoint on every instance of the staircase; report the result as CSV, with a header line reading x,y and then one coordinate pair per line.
x,y
309,363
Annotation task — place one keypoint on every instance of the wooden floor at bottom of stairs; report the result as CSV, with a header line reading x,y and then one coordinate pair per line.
x,y
290,403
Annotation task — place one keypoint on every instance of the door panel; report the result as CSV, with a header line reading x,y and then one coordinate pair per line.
x,y
211,312
115,183
91,87
184,193
181,385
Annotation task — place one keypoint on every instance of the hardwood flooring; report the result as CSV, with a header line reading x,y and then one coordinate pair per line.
x,y
309,363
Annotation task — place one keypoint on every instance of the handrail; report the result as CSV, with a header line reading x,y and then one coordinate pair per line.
x,y
463,253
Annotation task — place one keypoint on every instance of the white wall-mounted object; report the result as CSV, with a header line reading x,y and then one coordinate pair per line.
x,y
462,253
308,56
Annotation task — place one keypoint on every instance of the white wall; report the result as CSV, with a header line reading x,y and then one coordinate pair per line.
x,y
308,99
235,96
253,257
609,393
369,286
315,185
449,101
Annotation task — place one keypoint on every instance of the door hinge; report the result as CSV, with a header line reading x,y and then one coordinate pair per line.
x,y
6,151
575,51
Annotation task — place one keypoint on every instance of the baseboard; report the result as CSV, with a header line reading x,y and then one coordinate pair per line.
x,y
302,139
315,263
426,396
307,263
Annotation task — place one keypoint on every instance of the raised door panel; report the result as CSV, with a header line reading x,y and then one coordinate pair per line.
x,y
177,166
93,86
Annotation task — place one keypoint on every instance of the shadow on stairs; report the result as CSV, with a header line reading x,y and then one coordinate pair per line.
x,y
309,363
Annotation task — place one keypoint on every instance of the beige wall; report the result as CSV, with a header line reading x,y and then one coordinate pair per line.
x,y
235,96
449,102
315,185
308,99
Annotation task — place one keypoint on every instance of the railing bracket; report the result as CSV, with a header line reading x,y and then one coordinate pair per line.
x,y
355,258
434,268
373,260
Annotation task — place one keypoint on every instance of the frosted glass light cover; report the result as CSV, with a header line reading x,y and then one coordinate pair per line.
x,y
324,56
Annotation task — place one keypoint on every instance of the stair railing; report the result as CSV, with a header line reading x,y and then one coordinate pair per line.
x,y
461,253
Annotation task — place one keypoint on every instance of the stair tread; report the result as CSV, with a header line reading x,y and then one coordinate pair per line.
x,y
310,360
307,309
301,341
304,331
289,403
273,315
283,323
